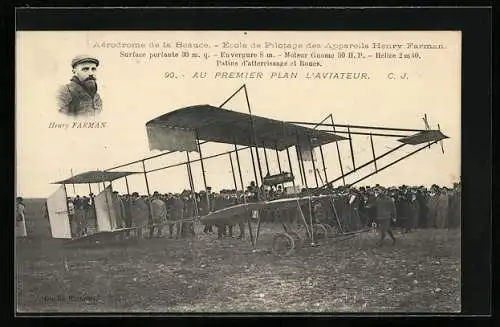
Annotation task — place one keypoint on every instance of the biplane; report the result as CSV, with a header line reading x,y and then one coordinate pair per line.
x,y
187,129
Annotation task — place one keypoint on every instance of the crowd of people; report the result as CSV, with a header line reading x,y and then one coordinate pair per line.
x,y
132,211
347,208
416,206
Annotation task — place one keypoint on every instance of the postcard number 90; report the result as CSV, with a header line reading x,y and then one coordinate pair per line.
x,y
170,75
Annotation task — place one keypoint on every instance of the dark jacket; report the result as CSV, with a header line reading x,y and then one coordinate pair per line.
x,y
403,208
75,99
386,209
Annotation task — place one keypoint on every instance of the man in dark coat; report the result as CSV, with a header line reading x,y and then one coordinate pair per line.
x,y
127,219
455,203
187,227
158,215
386,211
404,212
207,203
414,210
85,205
79,96
139,211
423,208
177,214
91,214
79,216
371,208
354,203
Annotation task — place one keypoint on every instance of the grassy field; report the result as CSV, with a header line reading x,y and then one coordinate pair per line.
x,y
420,273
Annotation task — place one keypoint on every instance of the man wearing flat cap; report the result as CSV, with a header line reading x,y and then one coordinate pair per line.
x,y
79,96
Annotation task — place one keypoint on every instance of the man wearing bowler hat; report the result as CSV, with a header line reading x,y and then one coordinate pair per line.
x,y
79,96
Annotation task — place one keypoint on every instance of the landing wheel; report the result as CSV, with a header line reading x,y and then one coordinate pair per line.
x,y
320,232
297,240
283,244
332,230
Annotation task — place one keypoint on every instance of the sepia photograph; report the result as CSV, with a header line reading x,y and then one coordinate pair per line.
x,y
80,97
238,171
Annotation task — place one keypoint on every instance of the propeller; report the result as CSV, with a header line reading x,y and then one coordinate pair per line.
x,y
427,127
426,122
441,142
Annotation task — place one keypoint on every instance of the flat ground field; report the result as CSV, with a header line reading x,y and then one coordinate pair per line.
x,y
420,273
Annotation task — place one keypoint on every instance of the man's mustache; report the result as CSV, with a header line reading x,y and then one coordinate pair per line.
x,y
90,78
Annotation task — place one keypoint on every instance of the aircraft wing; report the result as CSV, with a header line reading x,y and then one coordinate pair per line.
x,y
423,137
243,212
231,215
